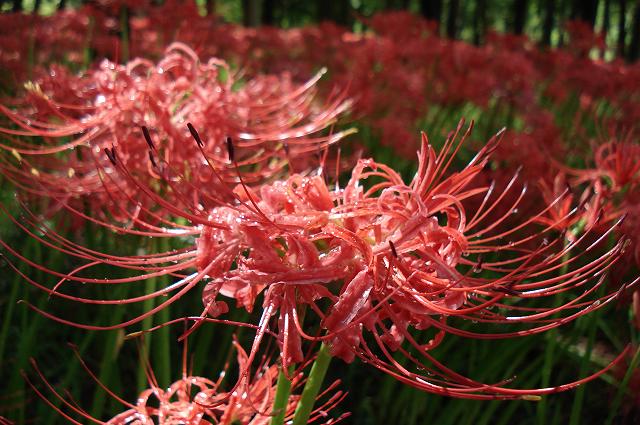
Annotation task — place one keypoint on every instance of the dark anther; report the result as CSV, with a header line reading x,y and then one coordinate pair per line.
x,y
195,134
393,249
285,145
568,187
147,137
478,267
153,160
230,149
111,154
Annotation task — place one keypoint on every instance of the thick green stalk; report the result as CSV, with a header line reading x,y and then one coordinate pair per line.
x,y
283,390
163,342
112,340
108,368
160,342
147,323
312,387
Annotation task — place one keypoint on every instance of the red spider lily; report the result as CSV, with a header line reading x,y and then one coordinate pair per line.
x,y
532,148
196,400
618,162
613,180
583,39
107,107
372,262
631,258
400,59
632,211
592,208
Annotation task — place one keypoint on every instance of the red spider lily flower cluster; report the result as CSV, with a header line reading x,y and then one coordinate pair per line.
x,y
105,109
400,73
401,58
196,400
372,262
376,269
614,180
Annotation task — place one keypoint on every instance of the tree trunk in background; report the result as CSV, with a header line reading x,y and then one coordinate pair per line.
x,y
251,13
388,4
634,46
338,11
622,34
574,12
606,17
547,25
431,9
590,12
323,10
520,15
268,8
211,7
561,16
36,6
584,10
606,23
62,5
479,22
17,6
344,15
452,18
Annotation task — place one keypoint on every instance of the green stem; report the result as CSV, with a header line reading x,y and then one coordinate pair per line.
x,y
87,53
312,387
591,323
163,341
551,335
578,400
147,323
11,303
622,389
124,37
160,341
283,390
546,373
